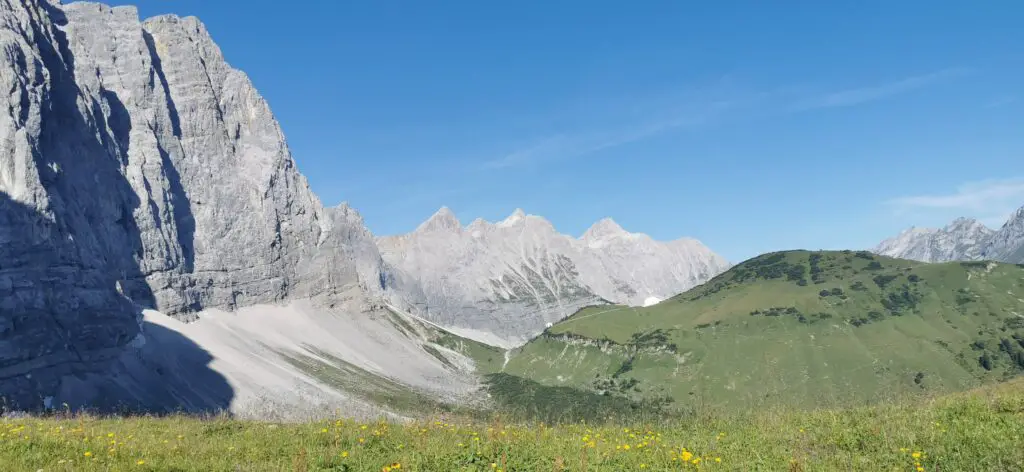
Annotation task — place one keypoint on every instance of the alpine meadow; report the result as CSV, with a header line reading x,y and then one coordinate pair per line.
x,y
179,292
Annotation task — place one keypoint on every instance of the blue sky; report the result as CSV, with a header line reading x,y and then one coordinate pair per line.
x,y
752,128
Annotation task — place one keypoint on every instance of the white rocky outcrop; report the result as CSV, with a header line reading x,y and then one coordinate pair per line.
x,y
512,277
145,183
139,170
964,239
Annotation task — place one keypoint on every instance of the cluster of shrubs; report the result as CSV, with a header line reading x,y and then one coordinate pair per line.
x,y
792,311
897,302
771,266
835,292
708,325
872,316
817,273
813,317
1010,349
882,280
776,311
964,296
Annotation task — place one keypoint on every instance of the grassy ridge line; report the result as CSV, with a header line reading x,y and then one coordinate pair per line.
x,y
978,431
823,329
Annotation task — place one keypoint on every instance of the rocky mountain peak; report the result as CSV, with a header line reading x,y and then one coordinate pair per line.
x,y
1016,219
964,239
966,226
478,224
502,282
517,216
444,219
604,228
175,190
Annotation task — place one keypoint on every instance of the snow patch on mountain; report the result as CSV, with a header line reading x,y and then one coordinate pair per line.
x,y
651,301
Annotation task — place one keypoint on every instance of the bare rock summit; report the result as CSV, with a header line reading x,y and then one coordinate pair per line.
x,y
965,239
503,282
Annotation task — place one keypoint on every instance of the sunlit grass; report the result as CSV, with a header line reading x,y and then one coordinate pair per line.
x,y
981,430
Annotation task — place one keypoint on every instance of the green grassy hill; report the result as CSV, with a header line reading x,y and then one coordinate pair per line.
x,y
800,328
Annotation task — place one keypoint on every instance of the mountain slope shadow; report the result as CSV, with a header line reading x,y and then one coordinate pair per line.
x,y
65,329
163,372
71,255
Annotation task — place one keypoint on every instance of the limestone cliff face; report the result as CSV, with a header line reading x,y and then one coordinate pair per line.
x,y
964,239
137,168
1007,243
502,282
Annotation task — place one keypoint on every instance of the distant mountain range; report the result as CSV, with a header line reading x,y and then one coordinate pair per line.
x,y
965,239
144,182
502,282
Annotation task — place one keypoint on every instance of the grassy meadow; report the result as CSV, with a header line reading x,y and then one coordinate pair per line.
x,y
826,329
980,430
792,361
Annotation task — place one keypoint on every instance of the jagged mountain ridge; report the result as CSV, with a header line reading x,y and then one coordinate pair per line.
x,y
502,282
965,239
144,179
139,170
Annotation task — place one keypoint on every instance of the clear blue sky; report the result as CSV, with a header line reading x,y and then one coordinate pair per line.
x,y
751,127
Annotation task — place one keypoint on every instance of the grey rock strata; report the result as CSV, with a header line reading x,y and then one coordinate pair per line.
x,y
502,282
964,239
137,168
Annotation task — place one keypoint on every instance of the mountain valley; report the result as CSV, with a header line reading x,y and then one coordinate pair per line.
x,y
160,251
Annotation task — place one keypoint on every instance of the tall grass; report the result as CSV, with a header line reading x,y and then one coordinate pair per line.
x,y
981,430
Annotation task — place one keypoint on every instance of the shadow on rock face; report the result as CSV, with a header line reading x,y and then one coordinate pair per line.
x,y
60,311
65,329
162,372
71,255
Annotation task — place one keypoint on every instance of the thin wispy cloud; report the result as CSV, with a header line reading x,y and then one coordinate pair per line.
x,y
861,95
1001,102
571,145
700,110
990,201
